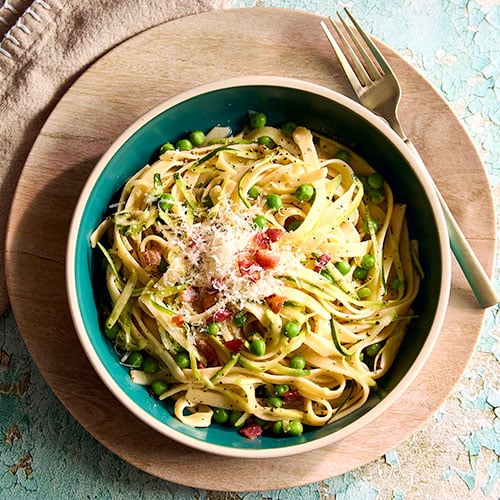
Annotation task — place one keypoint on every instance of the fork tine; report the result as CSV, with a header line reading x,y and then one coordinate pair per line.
x,y
365,77
374,50
351,75
371,68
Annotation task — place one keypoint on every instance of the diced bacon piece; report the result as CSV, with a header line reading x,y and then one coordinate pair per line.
x,y
251,431
207,351
222,315
249,269
275,302
322,261
292,396
152,255
266,259
178,320
274,234
207,299
189,294
234,345
262,241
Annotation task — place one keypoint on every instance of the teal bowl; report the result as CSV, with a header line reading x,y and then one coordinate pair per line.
x,y
226,103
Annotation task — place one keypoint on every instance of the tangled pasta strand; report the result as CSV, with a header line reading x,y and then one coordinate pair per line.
x,y
276,282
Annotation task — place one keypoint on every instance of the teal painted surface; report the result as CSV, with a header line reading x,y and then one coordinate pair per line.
x,y
44,452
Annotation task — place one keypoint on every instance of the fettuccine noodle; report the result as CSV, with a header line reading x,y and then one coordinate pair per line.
x,y
272,282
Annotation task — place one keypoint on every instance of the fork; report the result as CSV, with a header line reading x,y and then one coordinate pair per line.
x,y
380,92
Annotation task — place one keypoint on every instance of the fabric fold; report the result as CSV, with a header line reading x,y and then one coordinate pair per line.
x,y
46,45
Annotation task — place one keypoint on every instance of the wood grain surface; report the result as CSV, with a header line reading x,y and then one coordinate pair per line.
x,y
108,97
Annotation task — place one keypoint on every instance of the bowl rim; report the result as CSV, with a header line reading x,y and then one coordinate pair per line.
x,y
399,389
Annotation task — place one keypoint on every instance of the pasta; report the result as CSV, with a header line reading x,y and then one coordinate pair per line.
x,y
265,279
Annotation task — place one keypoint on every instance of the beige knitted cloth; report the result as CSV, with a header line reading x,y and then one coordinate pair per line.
x,y
44,46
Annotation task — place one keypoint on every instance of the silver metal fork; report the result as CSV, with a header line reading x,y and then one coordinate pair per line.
x,y
379,91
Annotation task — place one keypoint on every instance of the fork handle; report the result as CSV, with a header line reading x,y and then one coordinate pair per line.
x,y
471,267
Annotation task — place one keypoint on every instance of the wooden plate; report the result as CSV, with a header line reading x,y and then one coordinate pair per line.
x,y
109,96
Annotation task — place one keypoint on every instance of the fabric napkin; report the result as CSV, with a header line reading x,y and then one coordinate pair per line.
x,y
44,46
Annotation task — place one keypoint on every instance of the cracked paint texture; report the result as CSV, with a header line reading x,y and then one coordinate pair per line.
x,y
455,44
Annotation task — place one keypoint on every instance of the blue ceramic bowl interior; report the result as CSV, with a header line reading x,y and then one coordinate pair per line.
x,y
228,106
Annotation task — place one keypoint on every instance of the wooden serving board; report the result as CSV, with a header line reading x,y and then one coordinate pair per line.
x,y
106,99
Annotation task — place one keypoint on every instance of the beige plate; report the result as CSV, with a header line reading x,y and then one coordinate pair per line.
x,y
108,97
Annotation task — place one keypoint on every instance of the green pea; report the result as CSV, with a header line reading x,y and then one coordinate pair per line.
x,y
275,402
253,192
343,155
135,359
396,283
150,365
112,332
213,328
364,292
267,141
258,347
375,180
280,389
288,128
373,349
159,387
257,120
234,416
278,427
260,221
360,273
295,428
274,202
221,415
182,360
197,137
240,318
291,329
368,261
166,202
168,146
376,196
184,145
343,266
304,192
298,362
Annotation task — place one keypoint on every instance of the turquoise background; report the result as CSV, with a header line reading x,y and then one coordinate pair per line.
x,y
455,44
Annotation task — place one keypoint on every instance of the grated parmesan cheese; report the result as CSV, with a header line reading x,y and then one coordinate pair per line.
x,y
206,254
